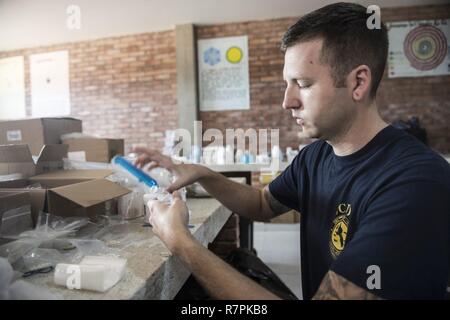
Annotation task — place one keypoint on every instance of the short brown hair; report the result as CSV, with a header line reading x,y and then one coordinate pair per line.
x,y
347,41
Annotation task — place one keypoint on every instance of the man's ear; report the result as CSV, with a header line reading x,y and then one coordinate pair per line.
x,y
359,81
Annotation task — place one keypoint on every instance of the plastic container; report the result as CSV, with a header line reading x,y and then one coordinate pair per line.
x,y
139,174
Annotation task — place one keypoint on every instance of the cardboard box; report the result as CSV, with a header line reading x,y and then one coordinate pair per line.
x,y
288,217
78,192
37,132
15,213
17,159
94,149
62,192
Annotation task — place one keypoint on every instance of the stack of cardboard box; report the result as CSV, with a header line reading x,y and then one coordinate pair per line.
x,y
37,132
45,131
94,149
53,190
31,171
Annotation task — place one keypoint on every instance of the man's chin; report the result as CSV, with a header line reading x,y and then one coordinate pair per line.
x,y
309,133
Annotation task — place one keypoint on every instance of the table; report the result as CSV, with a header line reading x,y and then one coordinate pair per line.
x,y
151,272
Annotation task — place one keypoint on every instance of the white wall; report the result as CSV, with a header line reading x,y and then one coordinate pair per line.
x,y
31,23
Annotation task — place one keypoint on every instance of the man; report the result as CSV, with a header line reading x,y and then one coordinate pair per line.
x,y
374,201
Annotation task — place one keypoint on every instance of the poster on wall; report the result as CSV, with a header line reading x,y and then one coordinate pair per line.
x,y
12,88
419,48
223,74
50,93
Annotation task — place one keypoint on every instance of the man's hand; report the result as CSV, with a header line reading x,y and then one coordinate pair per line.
x,y
169,221
185,174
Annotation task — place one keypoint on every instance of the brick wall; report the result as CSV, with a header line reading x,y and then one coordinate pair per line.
x,y
125,87
266,81
121,87
228,237
425,97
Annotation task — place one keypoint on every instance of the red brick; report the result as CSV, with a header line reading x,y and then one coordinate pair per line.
x,y
107,75
228,234
222,248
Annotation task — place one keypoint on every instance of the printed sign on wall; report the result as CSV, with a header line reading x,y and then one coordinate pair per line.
x,y
50,93
223,74
12,88
419,48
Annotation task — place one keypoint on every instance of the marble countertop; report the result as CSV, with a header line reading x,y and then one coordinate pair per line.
x,y
151,271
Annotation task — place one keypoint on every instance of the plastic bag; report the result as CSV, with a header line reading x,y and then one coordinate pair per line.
x,y
47,229
11,177
132,205
20,290
15,221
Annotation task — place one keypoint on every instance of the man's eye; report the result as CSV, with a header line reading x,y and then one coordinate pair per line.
x,y
303,85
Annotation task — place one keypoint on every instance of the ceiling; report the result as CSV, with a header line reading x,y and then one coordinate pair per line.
x,y
31,23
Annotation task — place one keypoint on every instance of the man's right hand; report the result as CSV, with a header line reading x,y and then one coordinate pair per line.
x,y
185,174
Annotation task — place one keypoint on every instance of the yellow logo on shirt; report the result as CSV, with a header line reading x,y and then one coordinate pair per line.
x,y
339,230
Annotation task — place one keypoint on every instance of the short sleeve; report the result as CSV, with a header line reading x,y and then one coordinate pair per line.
x,y
404,233
285,188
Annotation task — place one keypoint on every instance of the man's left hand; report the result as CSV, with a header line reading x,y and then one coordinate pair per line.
x,y
169,221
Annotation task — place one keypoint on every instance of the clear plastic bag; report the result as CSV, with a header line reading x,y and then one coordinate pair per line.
x,y
132,205
90,247
57,240
48,228
40,258
11,177
10,289
15,221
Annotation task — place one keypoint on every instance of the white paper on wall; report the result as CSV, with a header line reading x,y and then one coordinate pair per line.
x,y
12,88
419,48
50,92
223,74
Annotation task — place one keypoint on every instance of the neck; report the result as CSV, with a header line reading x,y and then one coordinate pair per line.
x,y
364,127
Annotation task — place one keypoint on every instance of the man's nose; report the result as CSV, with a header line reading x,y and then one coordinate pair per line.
x,y
291,99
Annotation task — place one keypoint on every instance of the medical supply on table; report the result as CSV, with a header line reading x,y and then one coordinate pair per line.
x,y
96,273
135,171
145,186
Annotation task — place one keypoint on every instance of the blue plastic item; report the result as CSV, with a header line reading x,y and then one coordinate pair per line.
x,y
136,172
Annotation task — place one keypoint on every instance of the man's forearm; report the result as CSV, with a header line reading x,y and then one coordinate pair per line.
x,y
215,276
239,198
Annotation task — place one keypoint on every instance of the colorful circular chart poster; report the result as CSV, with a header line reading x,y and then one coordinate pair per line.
x,y
419,48
223,74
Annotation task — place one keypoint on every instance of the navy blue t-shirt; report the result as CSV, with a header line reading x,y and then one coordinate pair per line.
x,y
378,217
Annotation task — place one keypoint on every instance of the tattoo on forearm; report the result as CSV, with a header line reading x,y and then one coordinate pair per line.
x,y
276,206
335,287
